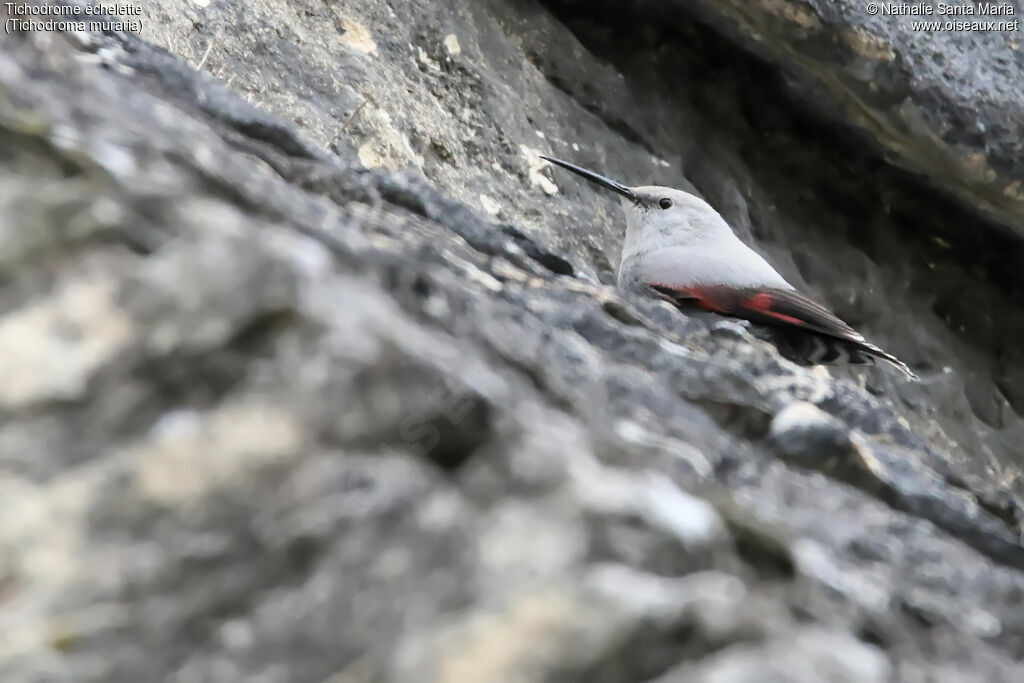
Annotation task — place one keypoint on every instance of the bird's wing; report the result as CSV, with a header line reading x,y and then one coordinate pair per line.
x,y
782,307
775,306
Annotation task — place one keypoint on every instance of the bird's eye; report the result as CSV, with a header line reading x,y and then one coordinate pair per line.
x,y
665,203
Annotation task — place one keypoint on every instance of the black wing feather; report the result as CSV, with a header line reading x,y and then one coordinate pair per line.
x,y
781,307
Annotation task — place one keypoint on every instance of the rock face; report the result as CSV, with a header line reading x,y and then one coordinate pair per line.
x,y
944,102
313,372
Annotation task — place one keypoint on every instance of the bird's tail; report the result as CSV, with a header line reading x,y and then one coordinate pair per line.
x,y
813,349
875,352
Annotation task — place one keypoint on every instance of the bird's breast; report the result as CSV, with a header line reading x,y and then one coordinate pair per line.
x,y
731,265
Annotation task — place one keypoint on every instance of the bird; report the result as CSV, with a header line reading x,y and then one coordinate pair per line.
x,y
679,248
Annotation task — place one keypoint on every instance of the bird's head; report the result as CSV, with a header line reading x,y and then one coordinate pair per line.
x,y
659,216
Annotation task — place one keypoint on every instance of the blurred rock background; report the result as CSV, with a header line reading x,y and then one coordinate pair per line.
x,y
312,370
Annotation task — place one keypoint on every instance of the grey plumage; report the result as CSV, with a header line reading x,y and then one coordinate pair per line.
x,y
678,247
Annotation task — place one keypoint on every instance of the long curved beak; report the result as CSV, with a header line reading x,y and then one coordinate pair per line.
x,y
612,185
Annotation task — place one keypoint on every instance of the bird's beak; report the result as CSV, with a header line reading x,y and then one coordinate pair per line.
x,y
594,177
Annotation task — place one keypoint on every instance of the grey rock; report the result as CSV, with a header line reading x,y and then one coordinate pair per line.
x,y
312,372
811,437
944,103
803,657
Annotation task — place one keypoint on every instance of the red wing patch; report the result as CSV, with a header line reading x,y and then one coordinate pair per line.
x,y
773,306
763,303
782,307
786,307
706,298
760,302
